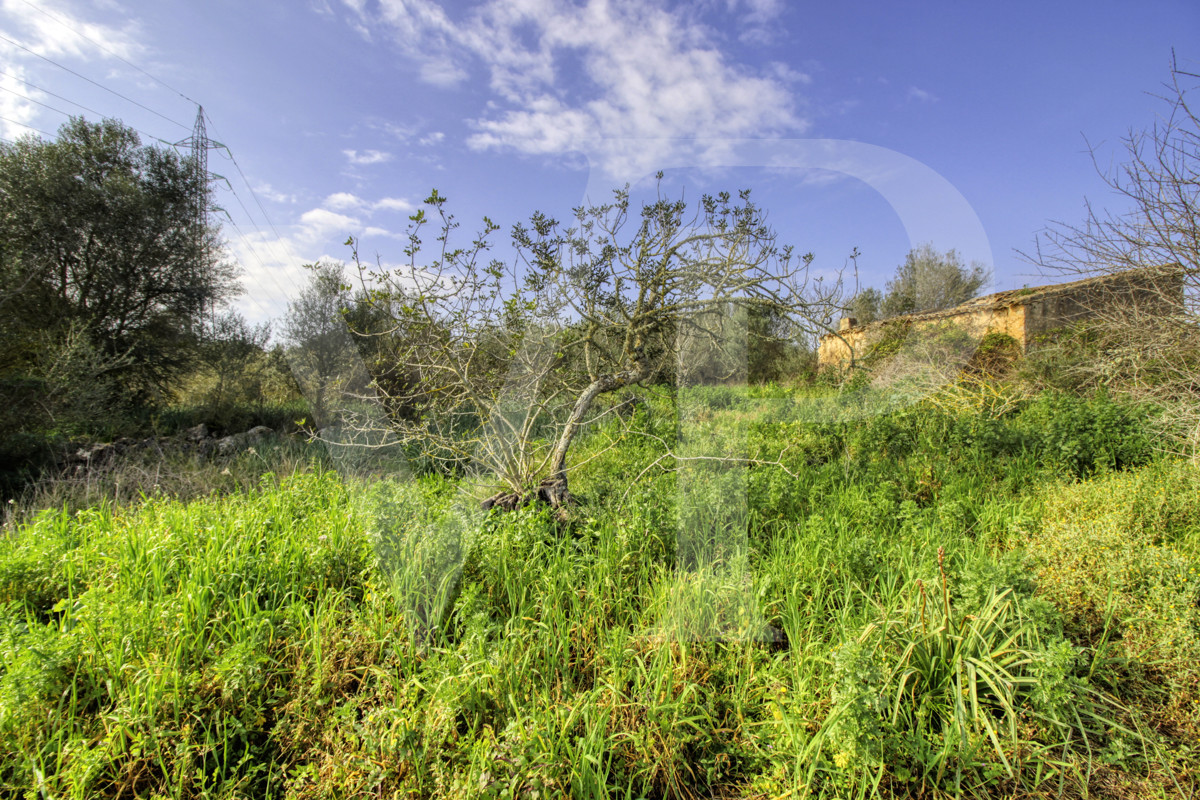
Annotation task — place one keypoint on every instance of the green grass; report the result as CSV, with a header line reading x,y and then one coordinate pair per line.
x,y
919,607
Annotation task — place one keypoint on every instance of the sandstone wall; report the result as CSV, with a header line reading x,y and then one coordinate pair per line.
x,y
1023,314
848,346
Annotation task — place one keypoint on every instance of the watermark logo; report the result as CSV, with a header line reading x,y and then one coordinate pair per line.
x,y
426,543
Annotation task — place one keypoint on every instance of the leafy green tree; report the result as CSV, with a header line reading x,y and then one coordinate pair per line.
x,y
321,349
233,361
99,234
930,280
866,305
772,354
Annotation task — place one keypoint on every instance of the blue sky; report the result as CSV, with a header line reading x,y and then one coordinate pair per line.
x,y
876,126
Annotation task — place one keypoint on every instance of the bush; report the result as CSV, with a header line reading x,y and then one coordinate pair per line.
x,y
995,355
1086,435
1120,550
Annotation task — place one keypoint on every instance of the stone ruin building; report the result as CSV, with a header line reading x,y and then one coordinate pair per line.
x,y
1027,315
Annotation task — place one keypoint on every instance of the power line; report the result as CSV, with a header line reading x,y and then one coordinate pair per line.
x,y
269,245
120,58
23,125
264,271
200,140
253,194
46,91
59,110
94,83
29,99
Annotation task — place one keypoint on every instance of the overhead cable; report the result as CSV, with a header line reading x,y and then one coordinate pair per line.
x,y
253,194
94,83
29,99
46,91
120,58
23,125
67,100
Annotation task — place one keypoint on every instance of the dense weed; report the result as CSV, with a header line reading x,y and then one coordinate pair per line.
x,y
928,603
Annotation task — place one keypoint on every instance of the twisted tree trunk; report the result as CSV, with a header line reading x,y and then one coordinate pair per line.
x,y
554,490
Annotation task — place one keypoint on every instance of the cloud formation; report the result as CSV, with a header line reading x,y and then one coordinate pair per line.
x,y
273,194
273,263
393,204
365,157
345,201
630,83
342,201
53,31
920,95
321,222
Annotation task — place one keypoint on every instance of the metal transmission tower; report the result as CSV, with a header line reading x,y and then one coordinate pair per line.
x,y
200,144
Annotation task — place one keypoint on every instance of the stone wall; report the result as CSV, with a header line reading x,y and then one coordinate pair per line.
x,y
1023,314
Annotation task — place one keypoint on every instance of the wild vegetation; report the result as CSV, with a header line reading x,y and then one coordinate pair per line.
x,y
756,589
113,292
945,603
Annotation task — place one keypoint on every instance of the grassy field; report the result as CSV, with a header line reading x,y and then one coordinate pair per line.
x,y
930,602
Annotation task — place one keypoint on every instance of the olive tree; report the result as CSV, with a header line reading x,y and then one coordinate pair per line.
x,y
505,362
930,280
99,235
320,350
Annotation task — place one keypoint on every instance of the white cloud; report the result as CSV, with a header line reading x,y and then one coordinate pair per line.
x,y
756,10
320,222
275,196
425,32
15,105
367,156
272,272
920,95
433,138
443,72
399,131
650,84
346,201
758,19
273,264
785,73
50,30
343,201
393,204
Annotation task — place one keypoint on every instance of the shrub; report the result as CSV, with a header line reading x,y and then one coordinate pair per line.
x,y
1085,435
1121,549
995,355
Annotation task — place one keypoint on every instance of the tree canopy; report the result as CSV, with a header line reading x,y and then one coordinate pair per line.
x,y
101,233
107,272
503,363
928,280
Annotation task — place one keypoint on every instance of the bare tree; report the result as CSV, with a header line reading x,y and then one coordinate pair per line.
x,y
503,364
1146,337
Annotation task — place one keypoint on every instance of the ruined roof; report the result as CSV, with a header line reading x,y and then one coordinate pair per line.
x,y
1008,298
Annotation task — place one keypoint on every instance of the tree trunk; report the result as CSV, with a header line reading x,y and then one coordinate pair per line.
x,y
549,492
602,385
553,491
